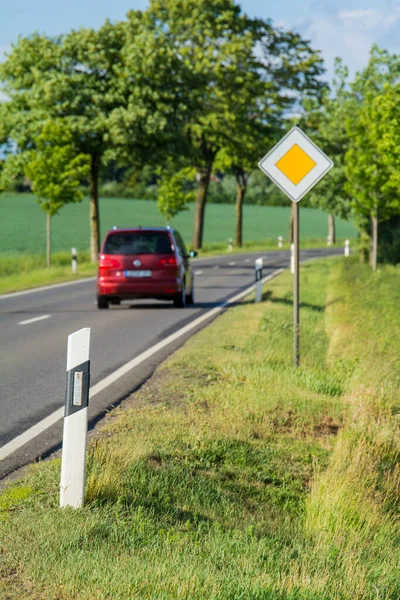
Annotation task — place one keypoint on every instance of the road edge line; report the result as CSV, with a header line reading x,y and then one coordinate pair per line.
x,y
28,435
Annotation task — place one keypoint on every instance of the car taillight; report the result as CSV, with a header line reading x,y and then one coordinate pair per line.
x,y
108,263
168,262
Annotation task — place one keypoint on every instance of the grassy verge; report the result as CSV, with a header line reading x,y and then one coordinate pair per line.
x,y
222,248
232,475
29,271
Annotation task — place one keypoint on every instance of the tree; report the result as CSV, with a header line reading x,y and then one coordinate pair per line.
x,y
212,39
173,192
371,172
69,77
374,159
248,75
325,122
55,170
103,83
243,76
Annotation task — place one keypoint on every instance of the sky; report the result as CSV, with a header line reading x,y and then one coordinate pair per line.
x,y
345,28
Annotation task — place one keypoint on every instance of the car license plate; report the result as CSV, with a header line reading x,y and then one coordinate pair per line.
x,y
137,273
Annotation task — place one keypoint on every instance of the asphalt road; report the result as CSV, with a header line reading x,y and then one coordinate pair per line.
x,y
33,339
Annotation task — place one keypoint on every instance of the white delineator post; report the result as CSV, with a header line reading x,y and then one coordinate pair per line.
x,y
259,267
230,245
74,262
347,248
292,258
73,461
280,240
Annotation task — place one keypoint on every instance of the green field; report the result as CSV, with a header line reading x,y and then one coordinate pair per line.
x,y
23,223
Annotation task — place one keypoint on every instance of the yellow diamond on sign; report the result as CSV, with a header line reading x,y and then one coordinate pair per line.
x,y
295,164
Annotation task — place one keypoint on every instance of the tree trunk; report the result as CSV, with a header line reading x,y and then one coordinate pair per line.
x,y
94,208
48,240
200,207
331,229
374,241
291,230
241,191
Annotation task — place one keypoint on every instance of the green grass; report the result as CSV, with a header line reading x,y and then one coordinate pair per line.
x,y
233,475
23,223
269,244
29,271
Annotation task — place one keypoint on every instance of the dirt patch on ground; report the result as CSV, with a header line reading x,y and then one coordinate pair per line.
x,y
327,426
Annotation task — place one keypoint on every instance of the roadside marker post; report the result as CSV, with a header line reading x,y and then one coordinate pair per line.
x,y
230,244
259,276
347,248
74,262
295,164
292,257
73,460
280,240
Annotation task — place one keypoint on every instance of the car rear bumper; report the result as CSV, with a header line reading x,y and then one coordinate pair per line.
x,y
139,289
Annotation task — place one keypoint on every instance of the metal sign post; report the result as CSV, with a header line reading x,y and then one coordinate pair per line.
x,y
295,165
296,287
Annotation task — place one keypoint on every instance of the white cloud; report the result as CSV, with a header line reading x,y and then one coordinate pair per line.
x,y
351,33
369,19
356,14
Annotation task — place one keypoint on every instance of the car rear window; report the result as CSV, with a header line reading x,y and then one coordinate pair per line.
x,y
138,242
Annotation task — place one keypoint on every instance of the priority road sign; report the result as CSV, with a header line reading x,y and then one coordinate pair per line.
x,y
295,164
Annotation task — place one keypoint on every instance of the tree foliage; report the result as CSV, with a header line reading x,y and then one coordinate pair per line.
x,y
55,169
325,121
106,84
242,75
173,191
189,80
369,168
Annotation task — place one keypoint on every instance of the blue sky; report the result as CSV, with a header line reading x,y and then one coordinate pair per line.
x,y
345,28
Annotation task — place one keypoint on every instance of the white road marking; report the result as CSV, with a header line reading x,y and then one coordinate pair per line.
x,y
46,287
247,260
216,267
232,263
37,429
34,320
198,272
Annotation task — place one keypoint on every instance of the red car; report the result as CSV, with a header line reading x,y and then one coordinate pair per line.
x,y
144,263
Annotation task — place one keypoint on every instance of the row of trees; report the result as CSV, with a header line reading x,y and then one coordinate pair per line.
x,y
188,85
357,125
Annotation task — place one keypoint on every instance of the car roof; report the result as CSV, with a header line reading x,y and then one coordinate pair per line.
x,y
131,229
